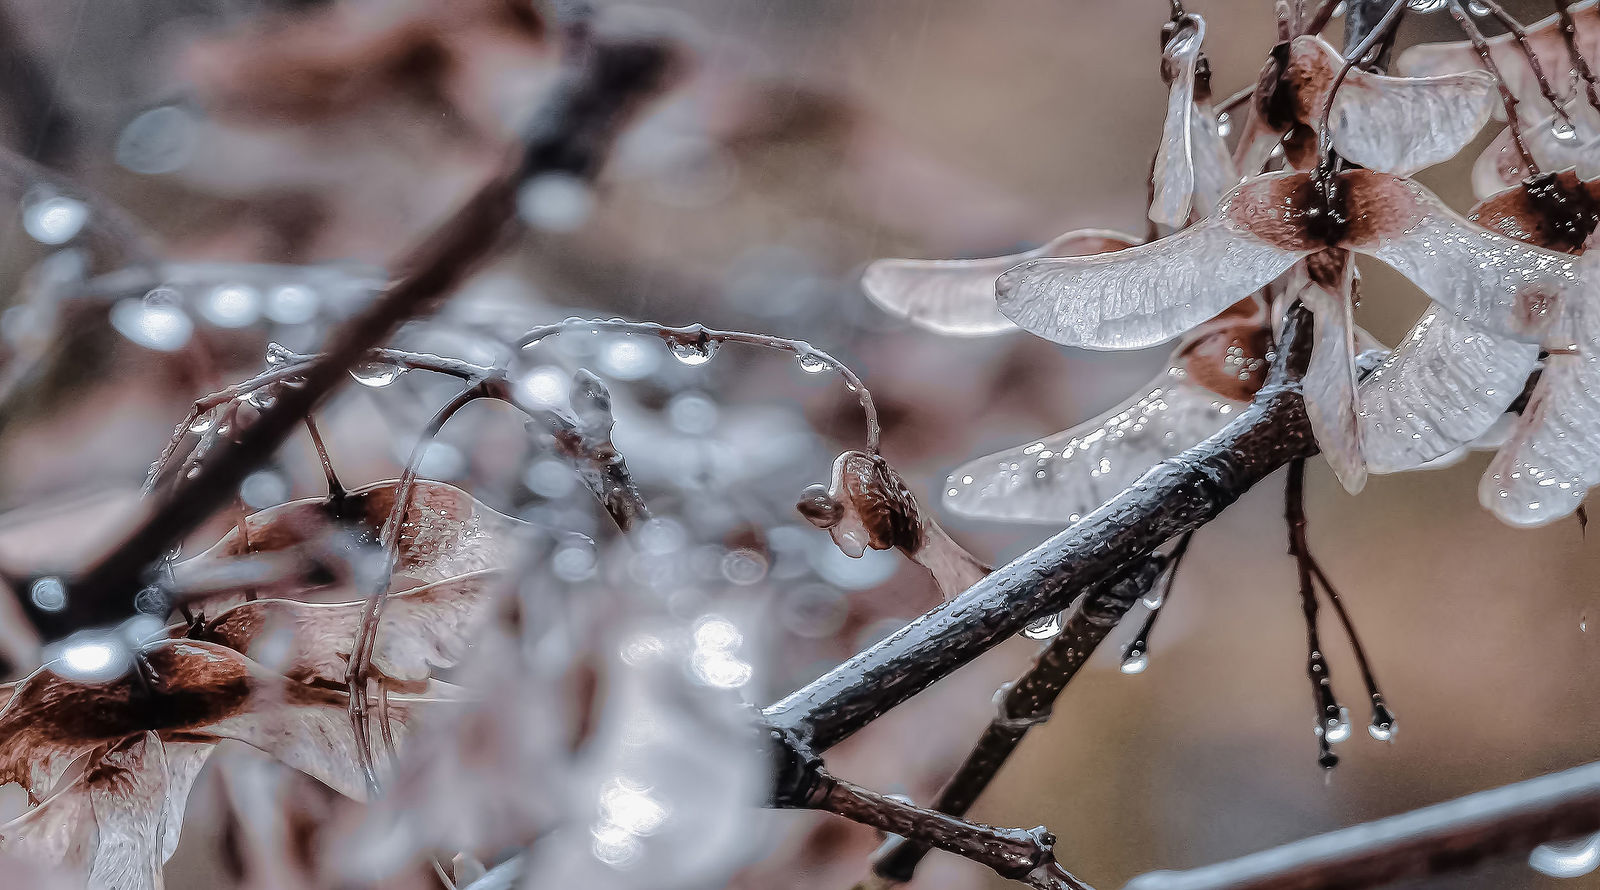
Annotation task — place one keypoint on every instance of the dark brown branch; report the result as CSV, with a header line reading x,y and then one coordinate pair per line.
x,y
604,83
1025,704
1010,852
1433,840
1176,496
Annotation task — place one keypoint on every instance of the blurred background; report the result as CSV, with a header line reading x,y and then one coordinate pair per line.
x,y
811,137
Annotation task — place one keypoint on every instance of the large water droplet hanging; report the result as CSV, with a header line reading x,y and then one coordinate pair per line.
x,y
1044,627
1382,725
203,421
1135,660
53,219
1563,130
694,352
48,594
811,363
375,373
1567,859
1224,124
1426,6
1478,8
262,398
1337,729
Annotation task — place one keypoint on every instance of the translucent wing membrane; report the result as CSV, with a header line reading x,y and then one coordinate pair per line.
x,y
1395,124
1545,468
1495,282
1060,478
1154,292
1330,380
1501,166
1544,37
957,296
1174,171
1442,387
1214,173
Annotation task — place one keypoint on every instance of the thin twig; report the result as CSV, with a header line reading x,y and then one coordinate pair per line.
x,y
1024,704
605,83
1569,33
694,341
1521,37
1137,652
1010,852
1445,837
1325,703
1507,98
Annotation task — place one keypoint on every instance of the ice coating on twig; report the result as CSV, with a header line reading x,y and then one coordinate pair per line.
x,y
1501,166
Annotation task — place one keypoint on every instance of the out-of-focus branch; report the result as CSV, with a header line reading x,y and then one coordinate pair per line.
x,y
1025,704
605,81
1434,840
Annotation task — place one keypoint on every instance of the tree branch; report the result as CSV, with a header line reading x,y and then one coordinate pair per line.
x,y
605,82
1450,836
1025,704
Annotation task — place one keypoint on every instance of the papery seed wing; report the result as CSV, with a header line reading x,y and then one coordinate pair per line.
x,y
422,628
184,761
1214,173
105,827
1173,175
957,296
1544,38
1499,167
1061,478
445,533
1441,388
205,692
1395,124
1151,293
1494,282
1330,382
1545,468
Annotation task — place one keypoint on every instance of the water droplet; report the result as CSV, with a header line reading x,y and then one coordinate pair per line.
x,y
555,202
1134,661
90,656
203,421
264,397
1337,729
1426,6
54,219
48,594
694,352
376,374
1341,9
1154,598
1477,8
153,322
278,354
1224,124
1044,627
232,305
811,363
1563,130
1566,859
292,304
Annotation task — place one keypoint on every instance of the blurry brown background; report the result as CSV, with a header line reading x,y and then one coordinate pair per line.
x,y
821,135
